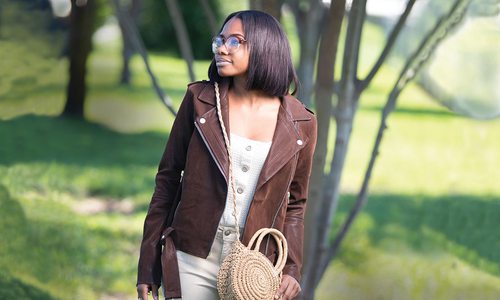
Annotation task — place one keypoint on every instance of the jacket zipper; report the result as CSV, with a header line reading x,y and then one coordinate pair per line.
x,y
210,150
180,187
212,154
177,207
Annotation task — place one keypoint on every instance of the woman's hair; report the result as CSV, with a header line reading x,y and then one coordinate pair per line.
x,y
270,67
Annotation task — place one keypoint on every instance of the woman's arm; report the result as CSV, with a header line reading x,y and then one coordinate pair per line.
x,y
294,220
167,182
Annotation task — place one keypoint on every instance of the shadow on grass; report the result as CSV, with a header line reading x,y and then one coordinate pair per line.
x,y
35,138
13,288
13,250
58,251
464,225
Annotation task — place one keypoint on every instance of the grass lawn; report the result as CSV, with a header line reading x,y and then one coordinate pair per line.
x,y
73,194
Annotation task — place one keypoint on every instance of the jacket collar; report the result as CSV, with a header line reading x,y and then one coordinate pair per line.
x,y
287,140
295,112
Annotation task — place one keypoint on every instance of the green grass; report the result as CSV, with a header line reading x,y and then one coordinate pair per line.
x,y
52,246
429,230
20,290
419,247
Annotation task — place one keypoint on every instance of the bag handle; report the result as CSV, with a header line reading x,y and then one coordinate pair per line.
x,y
280,241
230,157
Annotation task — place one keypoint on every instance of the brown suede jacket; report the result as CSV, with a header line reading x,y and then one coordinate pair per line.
x,y
191,186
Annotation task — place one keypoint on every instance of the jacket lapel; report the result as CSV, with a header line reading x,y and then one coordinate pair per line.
x,y
287,141
210,128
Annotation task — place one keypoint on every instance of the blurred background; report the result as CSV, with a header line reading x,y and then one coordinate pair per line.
x,y
88,92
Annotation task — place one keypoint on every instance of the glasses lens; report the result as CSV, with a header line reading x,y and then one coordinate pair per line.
x,y
232,44
217,42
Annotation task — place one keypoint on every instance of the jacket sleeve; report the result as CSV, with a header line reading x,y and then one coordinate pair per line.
x,y
294,219
166,184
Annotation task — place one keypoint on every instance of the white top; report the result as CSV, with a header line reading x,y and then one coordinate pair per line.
x,y
248,159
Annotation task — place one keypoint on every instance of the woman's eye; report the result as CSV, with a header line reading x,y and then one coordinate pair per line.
x,y
219,42
233,42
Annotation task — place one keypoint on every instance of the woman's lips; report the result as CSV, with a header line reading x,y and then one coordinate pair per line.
x,y
222,62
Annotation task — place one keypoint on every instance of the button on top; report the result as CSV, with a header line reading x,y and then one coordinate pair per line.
x,y
202,120
248,148
299,142
239,190
244,168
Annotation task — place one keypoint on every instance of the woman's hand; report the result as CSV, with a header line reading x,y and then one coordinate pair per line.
x,y
144,289
289,288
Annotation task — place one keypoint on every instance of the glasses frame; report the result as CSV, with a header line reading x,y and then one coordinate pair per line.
x,y
230,49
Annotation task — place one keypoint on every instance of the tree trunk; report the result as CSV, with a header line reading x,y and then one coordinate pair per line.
x,y
323,100
272,7
309,22
209,13
182,35
347,105
128,47
80,45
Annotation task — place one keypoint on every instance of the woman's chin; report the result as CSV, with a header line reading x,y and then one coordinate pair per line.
x,y
223,73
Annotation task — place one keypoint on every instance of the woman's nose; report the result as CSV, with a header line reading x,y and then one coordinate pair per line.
x,y
222,49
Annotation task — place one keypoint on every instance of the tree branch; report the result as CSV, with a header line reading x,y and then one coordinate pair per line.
x,y
391,41
210,16
135,38
182,35
353,40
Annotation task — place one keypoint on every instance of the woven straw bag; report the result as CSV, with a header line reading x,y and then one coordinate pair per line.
x,y
245,273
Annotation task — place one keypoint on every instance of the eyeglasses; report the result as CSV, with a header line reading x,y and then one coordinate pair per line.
x,y
232,43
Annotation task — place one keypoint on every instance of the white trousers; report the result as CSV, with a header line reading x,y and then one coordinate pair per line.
x,y
198,275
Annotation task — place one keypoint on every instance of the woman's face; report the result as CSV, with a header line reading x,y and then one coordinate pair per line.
x,y
231,62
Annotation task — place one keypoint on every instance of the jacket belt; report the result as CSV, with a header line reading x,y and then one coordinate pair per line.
x,y
170,266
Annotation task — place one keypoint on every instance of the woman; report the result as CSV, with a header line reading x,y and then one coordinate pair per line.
x,y
272,139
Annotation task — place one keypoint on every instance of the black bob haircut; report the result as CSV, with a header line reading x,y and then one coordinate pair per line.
x,y
270,67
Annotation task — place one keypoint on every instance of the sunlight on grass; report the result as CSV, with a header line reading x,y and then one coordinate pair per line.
x,y
407,275
460,158
375,263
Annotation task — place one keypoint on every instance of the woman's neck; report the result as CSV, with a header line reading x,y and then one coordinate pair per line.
x,y
241,93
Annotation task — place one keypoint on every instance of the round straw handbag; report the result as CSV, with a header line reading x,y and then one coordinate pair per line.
x,y
245,273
